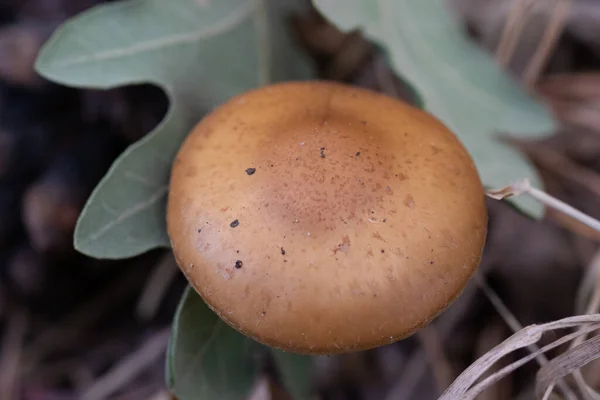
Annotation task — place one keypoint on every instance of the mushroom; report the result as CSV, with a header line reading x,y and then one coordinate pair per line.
x,y
321,218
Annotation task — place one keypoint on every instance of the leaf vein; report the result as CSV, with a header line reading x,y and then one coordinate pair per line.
x,y
227,23
136,209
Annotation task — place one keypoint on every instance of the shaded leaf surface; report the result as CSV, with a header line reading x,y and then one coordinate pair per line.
x,y
206,358
457,82
296,373
201,53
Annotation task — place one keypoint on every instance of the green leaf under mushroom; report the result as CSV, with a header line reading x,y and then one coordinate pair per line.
x,y
457,82
201,53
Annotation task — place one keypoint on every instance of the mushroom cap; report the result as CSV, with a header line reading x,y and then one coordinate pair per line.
x,y
322,218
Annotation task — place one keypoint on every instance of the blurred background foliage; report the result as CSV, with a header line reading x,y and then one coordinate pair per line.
x,y
78,327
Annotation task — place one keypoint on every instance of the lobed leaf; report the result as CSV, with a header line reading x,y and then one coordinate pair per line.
x,y
296,373
457,82
201,52
206,358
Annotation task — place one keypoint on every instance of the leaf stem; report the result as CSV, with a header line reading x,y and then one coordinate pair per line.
x,y
525,187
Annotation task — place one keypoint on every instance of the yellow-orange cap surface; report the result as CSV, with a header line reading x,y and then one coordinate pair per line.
x,y
322,218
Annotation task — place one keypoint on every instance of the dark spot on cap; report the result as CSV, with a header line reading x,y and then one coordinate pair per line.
x,y
263,313
363,122
357,153
199,230
282,252
234,223
251,171
238,264
385,220
322,152
430,262
382,250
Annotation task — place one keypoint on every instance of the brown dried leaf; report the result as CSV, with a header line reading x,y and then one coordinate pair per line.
x,y
515,189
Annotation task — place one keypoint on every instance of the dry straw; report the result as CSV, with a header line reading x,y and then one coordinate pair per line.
x,y
581,351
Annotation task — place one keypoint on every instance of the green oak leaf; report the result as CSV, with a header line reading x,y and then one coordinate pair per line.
x,y
296,373
457,82
201,52
206,358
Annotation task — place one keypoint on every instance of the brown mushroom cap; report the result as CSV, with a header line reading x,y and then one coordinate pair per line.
x,y
363,219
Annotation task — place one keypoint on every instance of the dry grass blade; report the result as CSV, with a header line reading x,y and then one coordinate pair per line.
x,y
463,388
586,390
524,186
412,373
432,344
485,384
558,20
521,339
492,334
514,324
567,363
158,283
62,334
515,22
11,353
590,281
559,164
574,98
129,367
579,86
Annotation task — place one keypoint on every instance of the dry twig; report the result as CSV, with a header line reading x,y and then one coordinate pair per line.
x,y
556,24
129,367
157,285
10,355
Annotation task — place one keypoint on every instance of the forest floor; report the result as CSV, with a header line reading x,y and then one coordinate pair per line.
x,y
72,326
